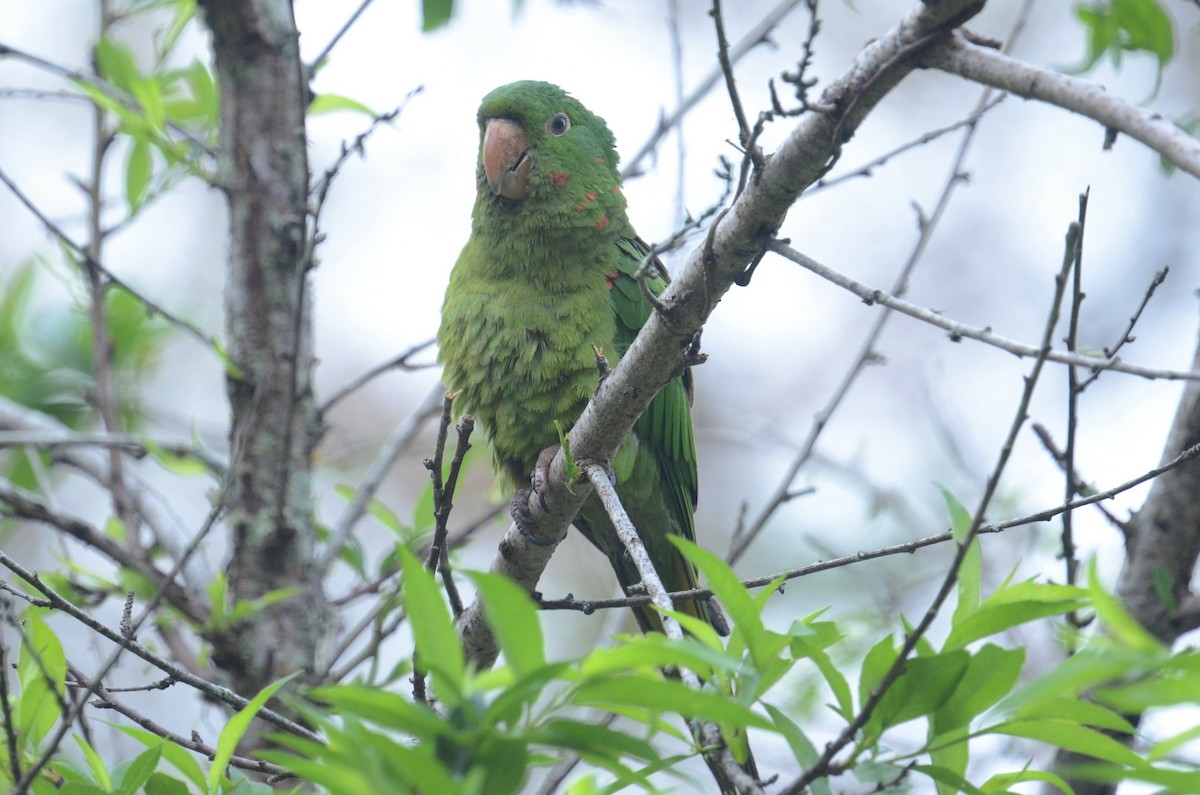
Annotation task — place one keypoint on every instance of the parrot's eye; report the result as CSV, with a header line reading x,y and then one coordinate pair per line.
x,y
559,124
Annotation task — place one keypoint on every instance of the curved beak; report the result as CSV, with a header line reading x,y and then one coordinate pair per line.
x,y
506,159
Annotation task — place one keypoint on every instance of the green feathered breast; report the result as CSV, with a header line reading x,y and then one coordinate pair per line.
x,y
548,273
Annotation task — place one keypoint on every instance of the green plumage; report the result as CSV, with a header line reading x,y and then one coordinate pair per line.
x,y
542,279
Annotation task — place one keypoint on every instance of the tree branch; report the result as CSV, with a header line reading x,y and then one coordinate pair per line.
x,y
958,331
740,236
984,65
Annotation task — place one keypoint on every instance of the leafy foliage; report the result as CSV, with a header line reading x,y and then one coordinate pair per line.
x,y
1115,27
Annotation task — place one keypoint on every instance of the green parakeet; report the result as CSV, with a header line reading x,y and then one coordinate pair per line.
x,y
548,273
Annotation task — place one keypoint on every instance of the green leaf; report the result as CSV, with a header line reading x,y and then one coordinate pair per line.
x,y
423,518
990,675
382,513
573,472
1164,587
132,777
876,663
1162,690
180,757
149,94
970,573
744,612
435,14
666,695
432,628
162,784
236,728
1073,737
1002,782
944,776
42,672
185,11
513,617
1121,626
1071,677
802,748
1009,607
137,175
385,708
960,518
803,647
232,371
926,684
182,465
329,103
1078,711
1117,26
204,91
95,764
1165,748
116,64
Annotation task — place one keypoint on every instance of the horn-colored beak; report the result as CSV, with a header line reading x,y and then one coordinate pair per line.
x,y
506,159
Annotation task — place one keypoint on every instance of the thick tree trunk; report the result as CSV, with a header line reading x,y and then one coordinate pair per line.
x,y
264,173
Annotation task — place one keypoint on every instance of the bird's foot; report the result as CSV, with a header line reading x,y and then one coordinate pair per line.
x,y
539,483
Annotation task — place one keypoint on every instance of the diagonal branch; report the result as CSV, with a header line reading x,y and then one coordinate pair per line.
x,y
957,55
738,238
719,758
958,331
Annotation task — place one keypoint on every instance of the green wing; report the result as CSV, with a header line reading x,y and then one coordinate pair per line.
x,y
666,426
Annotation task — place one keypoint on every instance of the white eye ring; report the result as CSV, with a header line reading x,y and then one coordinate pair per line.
x,y
558,124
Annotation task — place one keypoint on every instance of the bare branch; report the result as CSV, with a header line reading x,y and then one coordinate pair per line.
x,y
1127,334
822,766
152,307
719,758
106,700
757,35
398,362
959,331
24,505
402,436
985,65
129,443
215,691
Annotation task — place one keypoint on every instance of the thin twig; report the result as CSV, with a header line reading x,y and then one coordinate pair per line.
x,y
222,694
959,331
106,700
1127,335
342,31
718,757
402,436
1081,485
759,34
25,505
10,729
96,82
128,443
151,306
124,640
443,500
867,169
400,361
821,767
1071,488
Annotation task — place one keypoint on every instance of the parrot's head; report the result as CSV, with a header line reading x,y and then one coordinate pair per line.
x,y
541,150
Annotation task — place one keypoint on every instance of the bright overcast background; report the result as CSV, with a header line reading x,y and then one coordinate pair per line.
x,y
933,412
